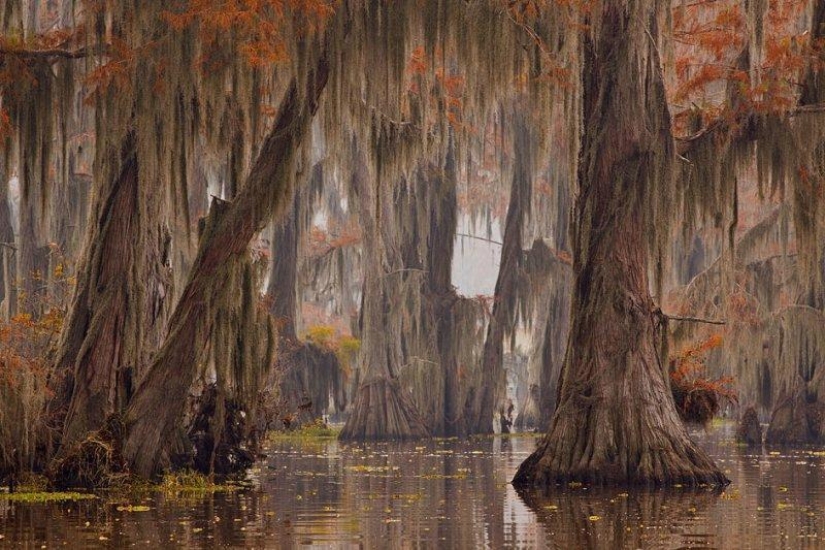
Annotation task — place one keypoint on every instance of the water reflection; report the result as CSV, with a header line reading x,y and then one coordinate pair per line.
x,y
581,518
442,494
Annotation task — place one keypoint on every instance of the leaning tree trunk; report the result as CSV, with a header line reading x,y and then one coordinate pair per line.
x,y
616,422
118,311
381,408
159,401
505,295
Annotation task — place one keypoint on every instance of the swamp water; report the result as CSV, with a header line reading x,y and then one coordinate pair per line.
x,y
442,494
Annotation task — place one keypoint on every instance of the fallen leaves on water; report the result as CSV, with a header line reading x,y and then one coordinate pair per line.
x,y
45,496
133,508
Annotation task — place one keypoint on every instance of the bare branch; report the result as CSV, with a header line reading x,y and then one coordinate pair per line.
x,y
694,320
51,53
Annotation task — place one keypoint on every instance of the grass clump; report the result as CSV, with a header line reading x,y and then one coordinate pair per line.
x,y
36,497
191,482
317,429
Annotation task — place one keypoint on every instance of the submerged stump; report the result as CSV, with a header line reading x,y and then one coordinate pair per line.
x,y
797,420
749,431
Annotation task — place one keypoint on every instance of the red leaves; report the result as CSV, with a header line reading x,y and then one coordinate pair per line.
x,y
698,398
322,241
5,125
711,36
116,72
259,26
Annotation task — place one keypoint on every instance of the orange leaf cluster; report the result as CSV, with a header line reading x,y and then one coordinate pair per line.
x,y
322,241
259,26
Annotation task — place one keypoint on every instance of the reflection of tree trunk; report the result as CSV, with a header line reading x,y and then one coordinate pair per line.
x,y
502,320
567,518
159,401
615,422
118,311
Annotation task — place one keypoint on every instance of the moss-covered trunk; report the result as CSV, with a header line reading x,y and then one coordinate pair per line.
x,y
809,207
159,401
486,397
799,414
381,409
119,309
7,268
616,422
310,374
283,279
32,250
440,295
550,280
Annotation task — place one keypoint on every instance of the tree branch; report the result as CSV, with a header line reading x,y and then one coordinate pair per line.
x,y
694,320
686,142
79,53
469,236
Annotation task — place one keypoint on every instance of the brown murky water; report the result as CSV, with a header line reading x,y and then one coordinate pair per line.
x,y
444,494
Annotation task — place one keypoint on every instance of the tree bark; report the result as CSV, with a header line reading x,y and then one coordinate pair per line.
x,y
616,422
309,374
283,278
442,296
159,401
381,410
809,210
119,309
7,270
33,163
798,415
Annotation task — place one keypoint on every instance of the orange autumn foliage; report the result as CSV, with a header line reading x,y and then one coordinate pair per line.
x,y
698,399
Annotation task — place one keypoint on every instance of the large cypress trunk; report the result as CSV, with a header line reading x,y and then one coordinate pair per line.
x,y
441,296
119,307
159,401
381,409
809,210
283,279
616,422
34,160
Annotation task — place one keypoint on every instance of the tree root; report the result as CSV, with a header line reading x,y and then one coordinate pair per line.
x,y
94,463
381,411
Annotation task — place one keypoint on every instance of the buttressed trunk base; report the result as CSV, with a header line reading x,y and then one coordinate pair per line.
x,y
615,422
